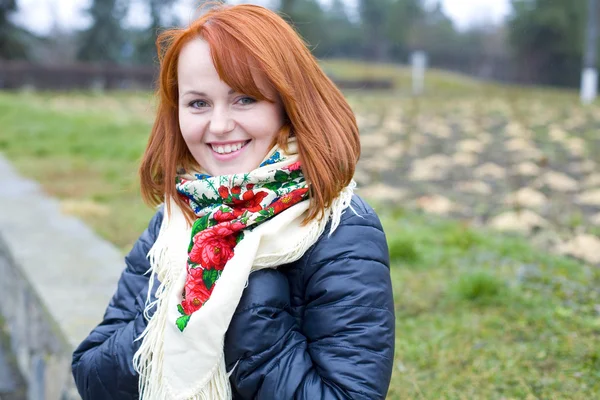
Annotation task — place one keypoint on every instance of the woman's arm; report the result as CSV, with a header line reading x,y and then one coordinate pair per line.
x,y
102,364
345,348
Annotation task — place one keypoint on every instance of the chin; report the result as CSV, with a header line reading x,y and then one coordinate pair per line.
x,y
231,170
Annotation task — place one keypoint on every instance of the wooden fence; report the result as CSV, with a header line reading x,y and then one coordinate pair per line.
x,y
19,75
24,75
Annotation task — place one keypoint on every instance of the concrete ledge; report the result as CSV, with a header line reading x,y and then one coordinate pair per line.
x,y
56,279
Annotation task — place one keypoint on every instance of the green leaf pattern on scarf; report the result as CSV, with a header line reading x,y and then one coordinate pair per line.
x,y
210,276
182,322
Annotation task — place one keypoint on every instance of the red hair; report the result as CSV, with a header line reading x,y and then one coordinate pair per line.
x,y
244,38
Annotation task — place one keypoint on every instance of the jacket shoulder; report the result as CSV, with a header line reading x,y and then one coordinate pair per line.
x,y
359,235
360,213
357,220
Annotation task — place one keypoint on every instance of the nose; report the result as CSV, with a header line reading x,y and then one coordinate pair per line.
x,y
221,122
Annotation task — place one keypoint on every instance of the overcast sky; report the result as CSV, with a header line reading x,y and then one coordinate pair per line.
x,y
39,15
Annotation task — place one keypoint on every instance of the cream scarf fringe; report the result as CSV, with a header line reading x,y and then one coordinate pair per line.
x,y
190,365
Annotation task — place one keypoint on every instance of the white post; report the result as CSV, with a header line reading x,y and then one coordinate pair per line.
x,y
589,85
589,75
418,61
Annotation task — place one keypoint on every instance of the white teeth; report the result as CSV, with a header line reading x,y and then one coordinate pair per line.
x,y
228,148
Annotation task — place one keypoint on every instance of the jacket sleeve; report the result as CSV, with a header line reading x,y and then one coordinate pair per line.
x,y
102,363
345,346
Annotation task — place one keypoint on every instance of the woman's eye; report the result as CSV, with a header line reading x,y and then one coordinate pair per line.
x,y
198,104
246,101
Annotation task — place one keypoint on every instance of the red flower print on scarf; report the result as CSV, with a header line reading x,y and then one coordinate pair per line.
x,y
236,190
288,200
213,247
250,201
293,167
223,192
196,292
221,216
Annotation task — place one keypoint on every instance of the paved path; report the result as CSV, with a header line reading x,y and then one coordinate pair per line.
x,y
75,272
11,388
7,380
66,283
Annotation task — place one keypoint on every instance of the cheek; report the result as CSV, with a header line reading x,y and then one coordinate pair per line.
x,y
190,128
270,123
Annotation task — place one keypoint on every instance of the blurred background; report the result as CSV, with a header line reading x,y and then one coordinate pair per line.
x,y
480,152
524,41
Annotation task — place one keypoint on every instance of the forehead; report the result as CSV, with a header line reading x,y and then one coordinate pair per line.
x,y
195,61
195,67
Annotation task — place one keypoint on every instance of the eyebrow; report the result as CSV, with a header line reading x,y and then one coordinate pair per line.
x,y
196,93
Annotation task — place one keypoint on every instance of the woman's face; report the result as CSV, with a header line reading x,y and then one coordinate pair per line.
x,y
227,132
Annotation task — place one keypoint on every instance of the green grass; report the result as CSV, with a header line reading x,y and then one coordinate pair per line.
x,y
479,315
489,317
401,75
83,148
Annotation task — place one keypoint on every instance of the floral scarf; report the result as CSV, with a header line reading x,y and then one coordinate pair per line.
x,y
244,223
225,207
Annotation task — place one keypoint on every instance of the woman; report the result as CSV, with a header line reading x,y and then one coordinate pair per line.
x,y
268,278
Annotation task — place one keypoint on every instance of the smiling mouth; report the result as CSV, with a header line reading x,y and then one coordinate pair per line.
x,y
229,148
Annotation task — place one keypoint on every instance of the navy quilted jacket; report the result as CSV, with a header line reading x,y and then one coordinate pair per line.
x,y
319,328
